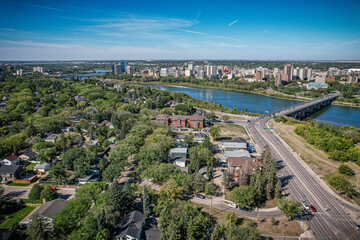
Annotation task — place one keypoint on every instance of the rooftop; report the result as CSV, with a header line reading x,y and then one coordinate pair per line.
x,y
9,169
50,209
234,145
237,154
12,157
244,162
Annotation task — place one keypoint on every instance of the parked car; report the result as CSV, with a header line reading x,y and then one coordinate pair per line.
x,y
313,208
305,205
233,205
200,196
357,227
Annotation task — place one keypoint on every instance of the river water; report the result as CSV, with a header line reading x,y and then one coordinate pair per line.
x,y
334,115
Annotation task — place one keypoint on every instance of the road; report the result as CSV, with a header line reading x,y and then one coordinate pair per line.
x,y
302,184
23,192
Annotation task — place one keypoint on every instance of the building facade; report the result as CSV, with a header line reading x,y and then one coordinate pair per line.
x,y
194,121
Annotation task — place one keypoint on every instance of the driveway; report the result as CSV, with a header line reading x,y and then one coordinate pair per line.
x,y
23,192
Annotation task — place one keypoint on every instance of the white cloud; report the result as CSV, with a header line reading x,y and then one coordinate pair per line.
x,y
233,22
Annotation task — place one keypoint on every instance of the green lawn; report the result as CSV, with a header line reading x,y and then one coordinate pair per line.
x,y
16,217
19,184
30,166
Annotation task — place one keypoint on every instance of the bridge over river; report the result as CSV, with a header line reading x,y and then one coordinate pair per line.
x,y
305,109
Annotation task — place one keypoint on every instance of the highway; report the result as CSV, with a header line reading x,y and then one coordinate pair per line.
x,y
303,184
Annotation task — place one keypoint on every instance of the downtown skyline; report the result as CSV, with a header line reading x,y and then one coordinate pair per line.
x,y
87,30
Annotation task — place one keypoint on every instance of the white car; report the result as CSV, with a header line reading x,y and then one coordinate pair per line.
x,y
233,205
305,205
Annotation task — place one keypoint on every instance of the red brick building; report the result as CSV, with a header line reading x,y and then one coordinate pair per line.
x,y
194,121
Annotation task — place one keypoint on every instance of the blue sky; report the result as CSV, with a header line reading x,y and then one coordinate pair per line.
x,y
113,30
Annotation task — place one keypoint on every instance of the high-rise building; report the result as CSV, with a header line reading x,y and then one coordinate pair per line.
x,y
288,71
296,74
164,72
188,72
38,69
259,75
191,66
117,69
129,70
277,78
123,64
275,71
308,73
19,72
201,74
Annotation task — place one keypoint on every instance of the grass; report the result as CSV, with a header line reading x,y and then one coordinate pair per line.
x,y
19,184
16,217
229,130
30,167
26,200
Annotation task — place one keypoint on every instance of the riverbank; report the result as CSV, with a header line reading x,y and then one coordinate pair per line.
x,y
259,92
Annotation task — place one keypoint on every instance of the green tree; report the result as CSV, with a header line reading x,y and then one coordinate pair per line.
x,y
225,118
37,229
243,196
146,201
346,170
289,206
215,132
35,192
121,197
48,193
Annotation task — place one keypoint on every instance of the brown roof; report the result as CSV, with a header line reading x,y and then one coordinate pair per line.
x,y
181,117
241,162
12,157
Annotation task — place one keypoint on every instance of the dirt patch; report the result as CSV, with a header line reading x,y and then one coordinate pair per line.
x,y
231,131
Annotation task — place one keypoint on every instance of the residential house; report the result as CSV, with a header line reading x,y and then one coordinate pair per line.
x,y
48,211
237,154
107,124
11,172
234,146
79,99
178,156
240,164
194,121
51,137
131,227
10,160
89,179
27,156
41,167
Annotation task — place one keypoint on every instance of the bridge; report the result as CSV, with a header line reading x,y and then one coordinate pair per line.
x,y
305,109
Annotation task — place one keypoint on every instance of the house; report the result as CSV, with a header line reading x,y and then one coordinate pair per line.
x,y
51,137
89,179
10,160
79,99
194,121
41,167
151,231
240,164
178,155
233,146
48,211
27,156
237,154
171,103
11,172
106,123
131,227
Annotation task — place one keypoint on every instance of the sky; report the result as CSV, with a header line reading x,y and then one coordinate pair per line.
x,y
135,30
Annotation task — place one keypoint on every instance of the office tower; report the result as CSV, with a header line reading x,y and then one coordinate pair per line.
x,y
164,72
38,69
275,71
296,74
259,75
188,73
278,79
308,73
288,71
129,70
353,76
213,71
302,74
201,74
123,64
191,66
117,69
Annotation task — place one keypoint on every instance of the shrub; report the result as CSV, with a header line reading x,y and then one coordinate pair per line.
x,y
346,170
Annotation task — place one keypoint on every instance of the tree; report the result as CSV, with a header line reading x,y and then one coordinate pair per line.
x,y
58,172
35,192
346,170
289,206
72,155
243,196
121,197
210,115
48,194
146,201
37,229
215,132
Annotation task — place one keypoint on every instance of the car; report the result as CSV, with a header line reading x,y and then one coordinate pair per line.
x,y
305,205
357,227
313,208
233,205
200,196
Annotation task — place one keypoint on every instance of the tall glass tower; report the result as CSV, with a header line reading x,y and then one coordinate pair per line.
x,y
123,65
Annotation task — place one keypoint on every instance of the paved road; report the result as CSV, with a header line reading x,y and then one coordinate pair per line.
x,y
302,184
23,192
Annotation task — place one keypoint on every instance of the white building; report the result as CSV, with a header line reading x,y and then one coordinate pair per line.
x,y
164,72
38,69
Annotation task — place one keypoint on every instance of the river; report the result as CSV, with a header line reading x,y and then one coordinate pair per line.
x,y
334,115
87,75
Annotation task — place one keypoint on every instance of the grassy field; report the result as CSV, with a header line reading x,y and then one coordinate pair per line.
x,y
16,217
30,166
231,131
283,227
315,158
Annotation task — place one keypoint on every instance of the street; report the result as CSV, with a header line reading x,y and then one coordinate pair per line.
x,y
23,192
